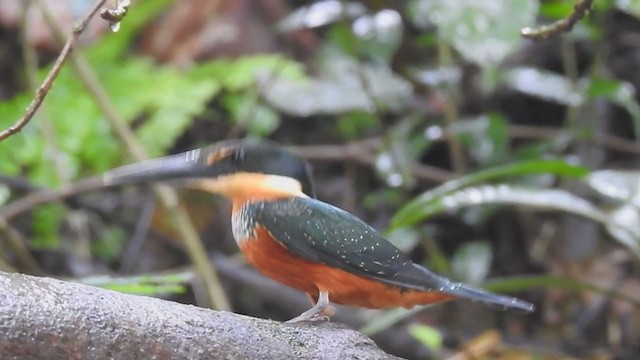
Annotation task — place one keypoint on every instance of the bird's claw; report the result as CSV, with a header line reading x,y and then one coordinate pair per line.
x,y
315,318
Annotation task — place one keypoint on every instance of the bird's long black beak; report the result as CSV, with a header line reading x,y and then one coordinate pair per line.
x,y
180,166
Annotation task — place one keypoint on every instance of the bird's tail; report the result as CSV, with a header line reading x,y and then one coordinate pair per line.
x,y
493,300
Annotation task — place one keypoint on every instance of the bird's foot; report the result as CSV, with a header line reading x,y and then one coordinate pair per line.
x,y
328,312
313,318
319,312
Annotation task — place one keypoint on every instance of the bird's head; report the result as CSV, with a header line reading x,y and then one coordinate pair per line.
x,y
235,168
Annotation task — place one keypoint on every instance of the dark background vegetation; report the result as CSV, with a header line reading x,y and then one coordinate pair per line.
x,y
492,159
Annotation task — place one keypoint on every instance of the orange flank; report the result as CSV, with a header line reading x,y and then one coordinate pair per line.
x,y
275,261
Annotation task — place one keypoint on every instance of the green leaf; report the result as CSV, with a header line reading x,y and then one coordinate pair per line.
x,y
557,88
152,285
241,73
379,34
262,120
46,224
393,162
624,226
5,194
246,111
619,185
108,246
436,258
405,239
12,109
441,77
354,124
168,98
631,7
503,194
484,32
557,9
320,14
621,223
415,210
113,45
162,96
619,92
545,85
146,289
486,136
624,219
387,319
428,336
343,85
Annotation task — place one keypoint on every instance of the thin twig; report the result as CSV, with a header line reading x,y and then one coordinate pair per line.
x,y
363,152
26,203
45,123
132,252
610,141
561,26
18,183
451,114
44,88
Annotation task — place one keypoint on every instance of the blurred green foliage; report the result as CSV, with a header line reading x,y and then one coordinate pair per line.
x,y
360,83
354,82
428,336
161,100
150,285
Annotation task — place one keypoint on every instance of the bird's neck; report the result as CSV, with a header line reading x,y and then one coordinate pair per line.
x,y
247,187
265,187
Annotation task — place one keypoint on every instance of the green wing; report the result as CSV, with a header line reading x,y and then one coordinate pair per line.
x,y
320,232
323,233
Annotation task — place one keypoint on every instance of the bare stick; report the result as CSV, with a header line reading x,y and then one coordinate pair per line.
x,y
561,26
45,196
44,88
363,152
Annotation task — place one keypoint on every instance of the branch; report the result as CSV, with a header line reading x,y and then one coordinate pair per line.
x,y
363,152
45,196
561,26
44,88
48,318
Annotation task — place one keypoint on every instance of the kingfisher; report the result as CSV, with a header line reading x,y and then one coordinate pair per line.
x,y
289,235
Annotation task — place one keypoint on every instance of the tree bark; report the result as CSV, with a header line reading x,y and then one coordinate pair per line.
x,y
44,318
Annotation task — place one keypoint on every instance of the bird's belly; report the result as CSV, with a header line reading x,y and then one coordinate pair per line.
x,y
275,261
349,289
